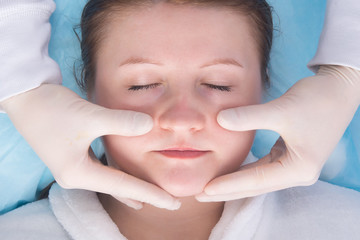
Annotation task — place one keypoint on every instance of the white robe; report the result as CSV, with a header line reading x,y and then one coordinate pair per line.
x,y
321,211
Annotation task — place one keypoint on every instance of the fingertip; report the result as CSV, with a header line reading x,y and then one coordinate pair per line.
x,y
202,197
130,203
173,205
251,117
137,206
176,205
228,119
120,122
210,191
166,201
215,186
139,124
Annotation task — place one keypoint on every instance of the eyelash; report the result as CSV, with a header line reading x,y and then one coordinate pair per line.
x,y
154,85
218,87
143,87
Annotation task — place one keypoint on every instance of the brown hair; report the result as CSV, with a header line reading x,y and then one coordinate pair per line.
x,y
97,12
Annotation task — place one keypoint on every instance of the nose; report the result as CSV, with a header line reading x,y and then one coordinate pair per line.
x,y
182,115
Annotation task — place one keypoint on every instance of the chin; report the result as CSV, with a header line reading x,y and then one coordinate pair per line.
x,y
184,187
184,191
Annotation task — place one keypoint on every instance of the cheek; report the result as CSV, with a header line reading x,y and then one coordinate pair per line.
x,y
252,93
124,154
241,96
233,149
114,149
102,94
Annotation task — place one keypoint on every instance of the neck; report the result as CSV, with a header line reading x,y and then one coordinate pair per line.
x,y
194,220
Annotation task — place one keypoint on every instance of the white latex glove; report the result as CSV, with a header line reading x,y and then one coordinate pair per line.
x,y
310,117
60,126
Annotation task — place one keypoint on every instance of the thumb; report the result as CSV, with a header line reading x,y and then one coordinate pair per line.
x,y
120,122
262,116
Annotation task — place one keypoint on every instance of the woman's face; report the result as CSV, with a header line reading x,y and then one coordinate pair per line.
x,y
181,65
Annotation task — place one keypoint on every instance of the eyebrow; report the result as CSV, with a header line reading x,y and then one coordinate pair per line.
x,y
139,60
217,61
222,61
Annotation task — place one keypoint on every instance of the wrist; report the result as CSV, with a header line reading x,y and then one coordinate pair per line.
x,y
347,79
11,104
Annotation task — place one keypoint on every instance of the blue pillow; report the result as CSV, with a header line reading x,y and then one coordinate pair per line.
x,y
299,24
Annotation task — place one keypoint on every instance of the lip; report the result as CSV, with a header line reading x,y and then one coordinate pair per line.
x,y
182,153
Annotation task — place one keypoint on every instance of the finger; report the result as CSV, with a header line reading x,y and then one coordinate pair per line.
x,y
119,122
94,176
131,203
260,179
264,116
203,197
249,182
228,197
277,151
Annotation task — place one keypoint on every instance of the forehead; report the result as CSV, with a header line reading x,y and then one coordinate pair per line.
x,y
179,34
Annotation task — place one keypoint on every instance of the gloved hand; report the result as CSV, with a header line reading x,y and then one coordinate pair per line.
x,y
310,117
60,126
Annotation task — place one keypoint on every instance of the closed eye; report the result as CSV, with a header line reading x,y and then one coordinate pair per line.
x,y
218,87
143,87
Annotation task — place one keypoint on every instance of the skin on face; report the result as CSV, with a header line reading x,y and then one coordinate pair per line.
x,y
181,65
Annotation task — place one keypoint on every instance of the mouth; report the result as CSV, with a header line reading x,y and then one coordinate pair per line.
x,y
182,153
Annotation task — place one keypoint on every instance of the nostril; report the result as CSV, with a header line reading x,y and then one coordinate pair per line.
x,y
189,120
194,129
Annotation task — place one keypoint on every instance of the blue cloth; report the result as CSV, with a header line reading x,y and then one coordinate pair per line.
x,y
299,24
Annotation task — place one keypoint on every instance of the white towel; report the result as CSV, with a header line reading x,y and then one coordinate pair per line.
x,y
82,215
